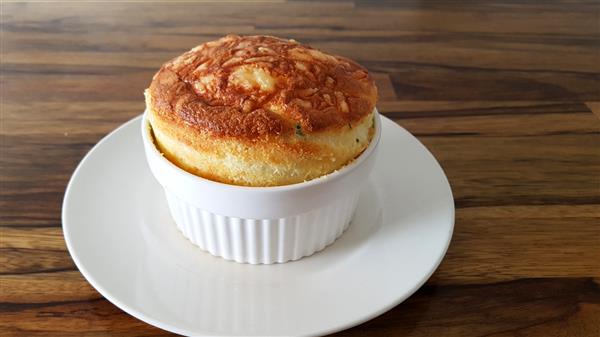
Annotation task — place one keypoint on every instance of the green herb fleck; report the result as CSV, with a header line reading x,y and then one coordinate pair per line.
x,y
299,130
357,140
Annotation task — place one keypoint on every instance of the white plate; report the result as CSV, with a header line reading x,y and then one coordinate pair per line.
x,y
122,239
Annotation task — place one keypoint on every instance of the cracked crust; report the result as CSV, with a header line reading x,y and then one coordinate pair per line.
x,y
260,111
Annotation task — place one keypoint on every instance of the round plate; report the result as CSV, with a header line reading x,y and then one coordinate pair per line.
x,y
123,240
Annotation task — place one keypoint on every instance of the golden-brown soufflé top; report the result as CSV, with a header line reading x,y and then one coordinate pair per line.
x,y
261,86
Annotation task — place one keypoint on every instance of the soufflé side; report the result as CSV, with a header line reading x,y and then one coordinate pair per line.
x,y
261,111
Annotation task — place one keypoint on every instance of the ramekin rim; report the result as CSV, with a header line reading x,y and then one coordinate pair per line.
x,y
346,169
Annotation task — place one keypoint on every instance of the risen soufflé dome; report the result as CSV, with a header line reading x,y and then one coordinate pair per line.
x,y
261,111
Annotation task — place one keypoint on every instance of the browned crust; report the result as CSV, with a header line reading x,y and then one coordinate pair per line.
x,y
312,90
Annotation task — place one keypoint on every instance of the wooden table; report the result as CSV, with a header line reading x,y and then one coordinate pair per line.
x,y
505,95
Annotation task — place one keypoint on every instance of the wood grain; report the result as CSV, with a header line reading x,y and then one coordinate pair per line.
x,y
503,93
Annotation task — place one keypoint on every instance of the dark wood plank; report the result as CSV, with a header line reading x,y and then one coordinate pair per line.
x,y
507,243
594,107
89,317
527,307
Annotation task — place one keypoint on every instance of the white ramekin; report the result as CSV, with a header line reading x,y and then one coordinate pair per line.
x,y
261,224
